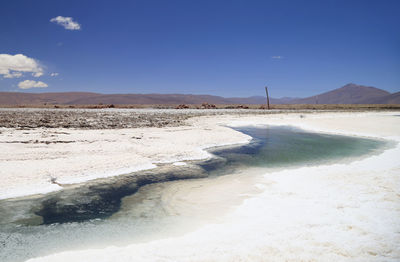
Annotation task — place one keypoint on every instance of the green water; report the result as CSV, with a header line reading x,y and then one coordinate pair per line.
x,y
278,147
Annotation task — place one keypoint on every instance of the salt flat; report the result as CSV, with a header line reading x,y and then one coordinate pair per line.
x,y
340,212
76,145
30,158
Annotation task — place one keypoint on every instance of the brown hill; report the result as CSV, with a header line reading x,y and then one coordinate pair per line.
x,y
16,98
389,99
150,99
78,98
348,94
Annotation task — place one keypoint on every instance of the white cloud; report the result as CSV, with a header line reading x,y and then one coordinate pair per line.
x,y
54,74
277,57
31,84
12,66
13,74
66,22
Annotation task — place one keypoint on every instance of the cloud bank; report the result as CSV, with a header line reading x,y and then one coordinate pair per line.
x,y
12,66
27,84
66,22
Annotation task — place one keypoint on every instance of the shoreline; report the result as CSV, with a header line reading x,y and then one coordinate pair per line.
x,y
194,148
335,212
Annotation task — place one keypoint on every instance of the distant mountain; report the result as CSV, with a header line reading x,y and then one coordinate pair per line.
x,y
147,99
389,99
348,94
283,100
77,98
17,98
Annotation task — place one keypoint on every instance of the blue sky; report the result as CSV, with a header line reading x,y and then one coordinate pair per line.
x,y
227,48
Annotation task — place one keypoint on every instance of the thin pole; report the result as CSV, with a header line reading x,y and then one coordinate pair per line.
x,y
266,91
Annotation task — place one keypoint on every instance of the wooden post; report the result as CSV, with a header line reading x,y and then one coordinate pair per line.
x,y
266,91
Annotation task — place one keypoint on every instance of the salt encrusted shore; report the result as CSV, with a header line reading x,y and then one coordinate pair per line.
x,y
337,212
39,159
40,149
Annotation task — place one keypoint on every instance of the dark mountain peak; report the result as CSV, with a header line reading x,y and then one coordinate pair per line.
x,y
347,94
360,88
350,85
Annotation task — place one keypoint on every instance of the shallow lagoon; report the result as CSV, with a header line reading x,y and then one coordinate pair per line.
x,y
108,212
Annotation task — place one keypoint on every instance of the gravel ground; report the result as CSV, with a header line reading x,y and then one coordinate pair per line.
x,y
25,118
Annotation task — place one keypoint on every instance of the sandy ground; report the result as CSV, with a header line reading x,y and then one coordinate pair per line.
x,y
342,212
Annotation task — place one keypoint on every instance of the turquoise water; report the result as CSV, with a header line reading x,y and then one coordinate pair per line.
x,y
277,147
31,227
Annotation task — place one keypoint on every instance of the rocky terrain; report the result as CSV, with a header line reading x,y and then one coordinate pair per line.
x,y
104,118
86,119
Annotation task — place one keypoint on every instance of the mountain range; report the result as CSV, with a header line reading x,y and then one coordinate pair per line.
x,y
348,94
